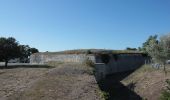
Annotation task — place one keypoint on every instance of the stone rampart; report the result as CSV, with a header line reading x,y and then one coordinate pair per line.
x,y
116,63
41,58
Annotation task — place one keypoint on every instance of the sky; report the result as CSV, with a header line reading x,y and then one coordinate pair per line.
x,y
56,25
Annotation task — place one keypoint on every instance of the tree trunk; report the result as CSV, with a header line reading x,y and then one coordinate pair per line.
x,y
164,68
6,63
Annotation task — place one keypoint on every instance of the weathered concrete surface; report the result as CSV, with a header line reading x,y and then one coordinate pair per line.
x,y
118,63
124,62
41,58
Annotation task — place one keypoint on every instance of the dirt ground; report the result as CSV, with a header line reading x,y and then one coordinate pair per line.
x,y
147,82
62,82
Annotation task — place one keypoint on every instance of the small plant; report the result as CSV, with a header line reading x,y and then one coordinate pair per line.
x,y
165,95
89,62
90,66
105,95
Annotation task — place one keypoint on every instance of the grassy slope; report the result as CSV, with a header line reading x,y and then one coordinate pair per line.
x,y
147,82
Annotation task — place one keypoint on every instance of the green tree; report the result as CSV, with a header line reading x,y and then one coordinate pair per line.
x,y
132,49
26,51
33,50
9,49
159,50
145,44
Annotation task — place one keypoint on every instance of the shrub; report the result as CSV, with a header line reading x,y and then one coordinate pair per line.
x,y
105,95
165,95
89,62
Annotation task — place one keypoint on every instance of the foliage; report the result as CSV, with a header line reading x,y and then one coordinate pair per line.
x,y
33,50
89,62
159,50
145,44
105,95
133,49
26,51
9,49
165,95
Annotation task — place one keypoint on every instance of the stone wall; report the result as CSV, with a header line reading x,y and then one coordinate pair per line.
x,y
41,58
120,63
123,62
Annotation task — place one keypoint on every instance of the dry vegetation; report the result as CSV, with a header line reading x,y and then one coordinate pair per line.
x,y
147,82
61,82
95,51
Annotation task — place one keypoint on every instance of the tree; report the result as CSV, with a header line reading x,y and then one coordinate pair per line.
x,y
9,49
159,50
33,50
26,51
145,44
132,49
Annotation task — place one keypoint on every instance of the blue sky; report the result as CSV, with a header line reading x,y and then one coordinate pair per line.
x,y
54,25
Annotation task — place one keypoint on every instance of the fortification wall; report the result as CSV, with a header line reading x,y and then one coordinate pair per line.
x,y
41,58
116,63
122,62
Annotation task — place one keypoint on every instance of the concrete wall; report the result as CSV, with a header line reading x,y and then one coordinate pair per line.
x,y
41,58
122,62
100,71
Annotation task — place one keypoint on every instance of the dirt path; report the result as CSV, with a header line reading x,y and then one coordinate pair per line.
x,y
64,82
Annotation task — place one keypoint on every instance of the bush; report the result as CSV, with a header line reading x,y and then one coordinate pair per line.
x,y
89,62
165,95
105,95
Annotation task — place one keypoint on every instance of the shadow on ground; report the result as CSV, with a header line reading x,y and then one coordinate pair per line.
x,y
25,66
117,91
